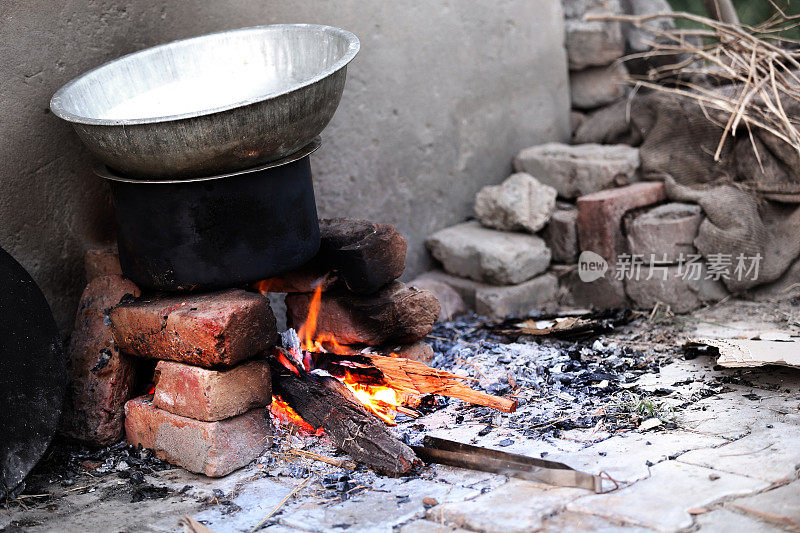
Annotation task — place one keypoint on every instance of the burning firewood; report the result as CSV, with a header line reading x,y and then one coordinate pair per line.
x,y
323,401
414,377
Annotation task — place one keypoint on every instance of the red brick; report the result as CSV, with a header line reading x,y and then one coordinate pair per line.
x,y
210,395
600,216
102,262
208,330
100,377
211,448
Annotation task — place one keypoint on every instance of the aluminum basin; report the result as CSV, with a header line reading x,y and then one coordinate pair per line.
x,y
211,104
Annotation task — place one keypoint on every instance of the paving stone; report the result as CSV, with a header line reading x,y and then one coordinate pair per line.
x,y
213,329
391,502
102,262
779,506
576,170
728,415
429,526
662,500
521,299
724,521
593,43
665,233
490,256
517,506
770,454
100,377
211,448
670,286
600,216
577,522
520,203
452,302
561,235
595,87
624,457
395,314
211,395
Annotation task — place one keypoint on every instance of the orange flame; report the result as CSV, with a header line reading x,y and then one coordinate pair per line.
x,y
379,399
309,328
284,414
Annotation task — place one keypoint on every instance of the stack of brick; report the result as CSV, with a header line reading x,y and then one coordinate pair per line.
x,y
498,264
665,267
583,198
360,301
595,48
212,380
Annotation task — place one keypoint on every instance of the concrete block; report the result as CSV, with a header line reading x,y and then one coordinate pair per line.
x,y
487,255
452,302
211,395
100,377
499,302
214,449
214,329
668,285
466,288
520,203
593,43
561,235
666,232
601,293
595,87
576,170
600,216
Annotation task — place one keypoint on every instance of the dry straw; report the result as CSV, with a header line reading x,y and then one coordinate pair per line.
x,y
749,73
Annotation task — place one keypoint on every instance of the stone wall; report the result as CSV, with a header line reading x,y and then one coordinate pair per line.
x,y
441,97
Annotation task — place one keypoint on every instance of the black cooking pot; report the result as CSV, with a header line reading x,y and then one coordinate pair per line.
x,y
218,231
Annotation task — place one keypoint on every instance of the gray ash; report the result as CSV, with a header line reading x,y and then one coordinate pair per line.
x,y
559,384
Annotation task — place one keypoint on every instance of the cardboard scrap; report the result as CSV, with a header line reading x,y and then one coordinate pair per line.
x,y
737,353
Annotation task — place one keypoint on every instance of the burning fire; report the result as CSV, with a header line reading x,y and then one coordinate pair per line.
x,y
284,414
379,399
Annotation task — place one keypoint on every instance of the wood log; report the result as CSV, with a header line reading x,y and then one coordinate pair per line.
x,y
366,255
325,402
414,377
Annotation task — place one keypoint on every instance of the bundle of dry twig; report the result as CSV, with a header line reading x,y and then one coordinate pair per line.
x,y
750,74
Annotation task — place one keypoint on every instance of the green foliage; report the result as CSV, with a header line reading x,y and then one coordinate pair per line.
x,y
646,407
751,12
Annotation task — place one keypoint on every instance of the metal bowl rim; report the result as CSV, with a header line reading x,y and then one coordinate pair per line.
x,y
354,46
106,173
